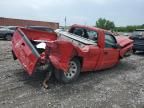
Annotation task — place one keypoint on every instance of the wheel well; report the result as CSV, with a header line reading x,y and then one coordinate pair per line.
x,y
80,59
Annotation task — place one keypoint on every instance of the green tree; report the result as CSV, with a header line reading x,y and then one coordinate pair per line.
x,y
105,24
130,28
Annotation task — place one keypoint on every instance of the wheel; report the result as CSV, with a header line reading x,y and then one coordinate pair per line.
x,y
134,51
72,73
8,37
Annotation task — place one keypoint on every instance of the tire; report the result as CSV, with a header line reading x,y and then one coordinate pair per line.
x,y
8,37
134,51
71,75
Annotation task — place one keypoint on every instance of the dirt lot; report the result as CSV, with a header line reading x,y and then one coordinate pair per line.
x,y
118,87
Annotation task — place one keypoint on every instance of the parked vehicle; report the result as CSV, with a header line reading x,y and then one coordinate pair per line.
x,y
2,27
7,32
138,37
41,28
127,34
81,49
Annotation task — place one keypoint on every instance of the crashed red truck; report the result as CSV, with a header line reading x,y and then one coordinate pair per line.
x,y
81,49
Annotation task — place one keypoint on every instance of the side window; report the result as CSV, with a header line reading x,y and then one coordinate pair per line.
x,y
80,32
109,41
13,28
92,35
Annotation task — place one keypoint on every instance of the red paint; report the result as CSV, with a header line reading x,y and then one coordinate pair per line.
x,y
92,57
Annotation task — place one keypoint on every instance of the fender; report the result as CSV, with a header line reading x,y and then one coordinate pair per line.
x,y
126,51
61,52
126,45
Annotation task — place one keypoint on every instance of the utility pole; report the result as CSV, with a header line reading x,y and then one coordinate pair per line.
x,y
85,23
65,22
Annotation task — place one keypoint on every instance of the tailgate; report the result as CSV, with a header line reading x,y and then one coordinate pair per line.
x,y
25,51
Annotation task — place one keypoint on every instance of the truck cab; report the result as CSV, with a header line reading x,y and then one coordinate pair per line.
x,y
106,45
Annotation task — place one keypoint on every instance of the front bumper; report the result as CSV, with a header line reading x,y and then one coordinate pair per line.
x,y
1,35
139,47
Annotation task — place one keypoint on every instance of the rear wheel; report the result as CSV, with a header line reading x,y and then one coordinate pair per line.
x,y
8,37
72,73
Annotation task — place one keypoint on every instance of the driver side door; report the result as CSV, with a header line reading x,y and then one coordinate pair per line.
x,y
110,52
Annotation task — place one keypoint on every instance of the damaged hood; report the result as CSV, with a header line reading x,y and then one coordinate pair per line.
x,y
123,40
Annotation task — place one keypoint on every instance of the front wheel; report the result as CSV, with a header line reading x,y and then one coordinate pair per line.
x,y
134,51
72,73
8,37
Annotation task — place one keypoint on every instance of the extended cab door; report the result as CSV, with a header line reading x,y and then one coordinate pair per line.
x,y
25,51
110,52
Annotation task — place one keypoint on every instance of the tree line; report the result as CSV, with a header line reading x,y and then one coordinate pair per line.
x,y
109,25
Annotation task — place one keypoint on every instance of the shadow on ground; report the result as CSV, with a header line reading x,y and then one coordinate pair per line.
x,y
96,77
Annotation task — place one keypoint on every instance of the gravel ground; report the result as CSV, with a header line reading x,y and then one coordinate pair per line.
x,y
119,87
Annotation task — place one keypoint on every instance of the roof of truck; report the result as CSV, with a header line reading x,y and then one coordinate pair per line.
x,y
89,27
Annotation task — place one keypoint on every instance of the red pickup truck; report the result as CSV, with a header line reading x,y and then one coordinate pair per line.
x,y
80,49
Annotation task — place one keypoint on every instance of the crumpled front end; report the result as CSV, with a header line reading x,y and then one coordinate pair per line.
x,y
126,46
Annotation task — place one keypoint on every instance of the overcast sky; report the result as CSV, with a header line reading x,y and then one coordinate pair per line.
x,y
122,12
